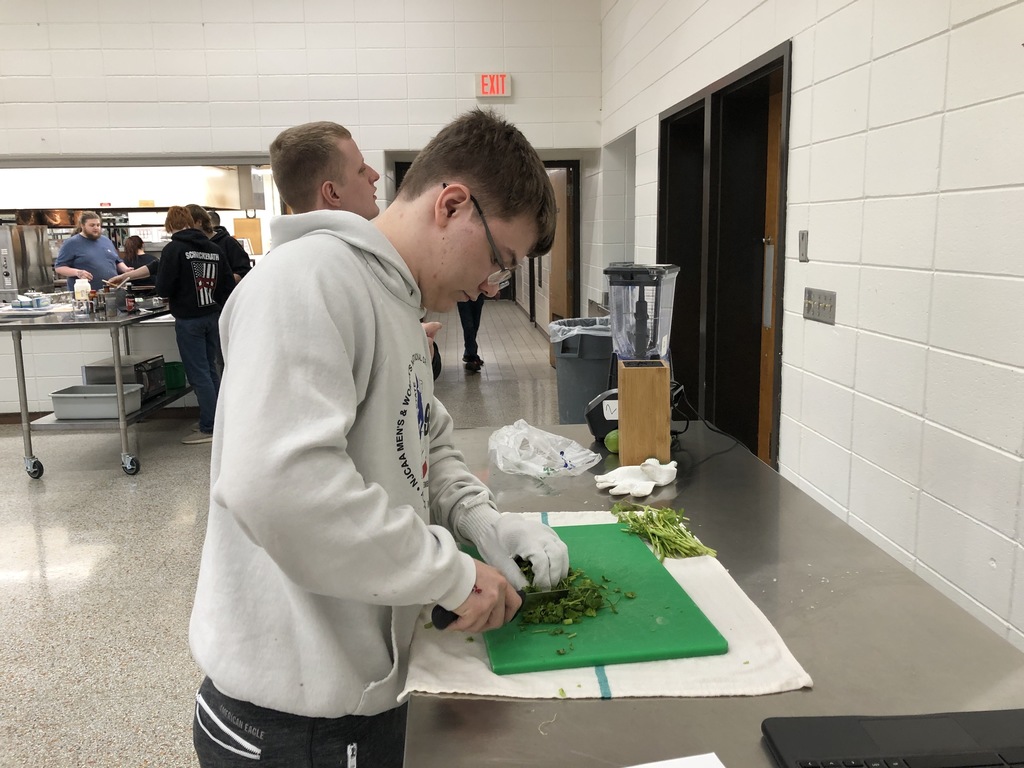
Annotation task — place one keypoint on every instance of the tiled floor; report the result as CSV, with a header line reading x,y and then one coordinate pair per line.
x,y
516,381
97,569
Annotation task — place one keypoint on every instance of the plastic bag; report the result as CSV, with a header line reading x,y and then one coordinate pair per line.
x,y
520,449
574,326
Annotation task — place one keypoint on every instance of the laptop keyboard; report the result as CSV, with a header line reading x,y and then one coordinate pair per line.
x,y
1009,758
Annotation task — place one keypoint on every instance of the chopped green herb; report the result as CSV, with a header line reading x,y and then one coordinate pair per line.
x,y
664,528
584,598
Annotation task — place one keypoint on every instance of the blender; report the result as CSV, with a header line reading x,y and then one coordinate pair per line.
x,y
640,298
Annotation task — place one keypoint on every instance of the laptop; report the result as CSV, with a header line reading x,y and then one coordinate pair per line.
x,y
943,740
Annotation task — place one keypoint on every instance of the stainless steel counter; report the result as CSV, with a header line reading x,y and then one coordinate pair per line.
x,y
875,637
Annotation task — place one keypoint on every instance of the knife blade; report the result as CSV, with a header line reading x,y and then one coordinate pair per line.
x,y
442,617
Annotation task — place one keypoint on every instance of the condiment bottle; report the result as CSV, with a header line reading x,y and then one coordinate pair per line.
x,y
129,297
82,288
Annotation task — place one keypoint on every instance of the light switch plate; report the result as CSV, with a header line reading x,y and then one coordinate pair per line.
x,y
820,305
802,243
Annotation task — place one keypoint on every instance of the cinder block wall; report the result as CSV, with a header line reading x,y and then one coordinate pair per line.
x,y
906,166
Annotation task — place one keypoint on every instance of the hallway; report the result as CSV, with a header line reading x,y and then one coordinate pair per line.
x,y
98,569
517,380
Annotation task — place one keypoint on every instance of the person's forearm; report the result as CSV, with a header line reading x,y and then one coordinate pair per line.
x,y
70,272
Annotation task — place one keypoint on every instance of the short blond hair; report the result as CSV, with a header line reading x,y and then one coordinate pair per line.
x,y
304,157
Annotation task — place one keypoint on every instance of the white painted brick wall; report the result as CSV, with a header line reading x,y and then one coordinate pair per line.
x,y
825,466
888,437
281,68
903,159
842,41
981,232
891,370
884,502
984,57
979,315
972,556
892,100
895,302
969,161
837,169
837,228
840,105
899,232
978,398
980,481
827,409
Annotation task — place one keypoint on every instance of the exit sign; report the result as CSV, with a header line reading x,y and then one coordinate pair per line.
x,y
493,84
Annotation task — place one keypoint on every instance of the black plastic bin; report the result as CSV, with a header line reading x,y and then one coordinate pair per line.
x,y
583,348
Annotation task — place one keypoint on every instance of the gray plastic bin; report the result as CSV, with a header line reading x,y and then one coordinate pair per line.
x,y
94,401
583,348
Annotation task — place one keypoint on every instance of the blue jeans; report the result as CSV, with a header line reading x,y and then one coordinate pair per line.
x,y
469,315
228,733
199,345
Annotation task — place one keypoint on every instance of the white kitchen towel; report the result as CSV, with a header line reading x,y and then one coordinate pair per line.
x,y
757,662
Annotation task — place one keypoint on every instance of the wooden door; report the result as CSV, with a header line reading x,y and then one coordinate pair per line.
x,y
721,219
770,351
558,287
558,274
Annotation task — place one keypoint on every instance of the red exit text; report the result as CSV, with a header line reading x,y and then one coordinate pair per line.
x,y
494,84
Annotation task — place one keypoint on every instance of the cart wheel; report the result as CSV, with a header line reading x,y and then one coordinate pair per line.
x,y
35,469
132,466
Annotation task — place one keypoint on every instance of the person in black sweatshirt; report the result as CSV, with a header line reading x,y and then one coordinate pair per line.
x,y
196,279
237,255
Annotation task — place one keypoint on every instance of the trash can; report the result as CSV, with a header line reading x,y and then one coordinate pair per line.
x,y
583,348
174,374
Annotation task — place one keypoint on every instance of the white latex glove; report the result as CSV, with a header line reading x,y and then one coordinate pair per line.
x,y
513,535
637,481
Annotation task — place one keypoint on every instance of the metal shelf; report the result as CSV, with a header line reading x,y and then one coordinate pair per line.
x,y
50,423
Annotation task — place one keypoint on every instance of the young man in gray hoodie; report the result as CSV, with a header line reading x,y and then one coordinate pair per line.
x,y
338,501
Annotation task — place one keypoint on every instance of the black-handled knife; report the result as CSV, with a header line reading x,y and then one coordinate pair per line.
x,y
441,618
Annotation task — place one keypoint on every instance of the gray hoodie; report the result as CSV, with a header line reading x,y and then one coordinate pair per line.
x,y
335,489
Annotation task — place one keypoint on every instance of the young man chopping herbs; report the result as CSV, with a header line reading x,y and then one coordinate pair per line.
x,y
338,500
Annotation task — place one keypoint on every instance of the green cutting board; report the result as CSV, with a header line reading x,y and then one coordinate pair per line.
x,y
661,622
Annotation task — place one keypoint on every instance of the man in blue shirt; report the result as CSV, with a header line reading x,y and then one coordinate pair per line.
x,y
89,255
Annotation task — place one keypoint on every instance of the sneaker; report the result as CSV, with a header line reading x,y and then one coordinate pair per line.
x,y
198,438
195,427
473,364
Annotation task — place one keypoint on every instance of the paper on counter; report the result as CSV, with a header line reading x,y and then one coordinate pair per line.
x,y
758,661
709,760
697,761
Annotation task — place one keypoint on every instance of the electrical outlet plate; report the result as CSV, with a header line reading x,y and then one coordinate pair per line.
x,y
820,305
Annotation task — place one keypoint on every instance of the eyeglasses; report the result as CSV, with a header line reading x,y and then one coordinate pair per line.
x,y
504,274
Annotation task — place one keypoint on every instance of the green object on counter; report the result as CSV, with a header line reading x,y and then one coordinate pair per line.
x,y
661,622
174,375
611,441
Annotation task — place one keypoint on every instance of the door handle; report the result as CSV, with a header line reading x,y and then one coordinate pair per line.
x,y
768,283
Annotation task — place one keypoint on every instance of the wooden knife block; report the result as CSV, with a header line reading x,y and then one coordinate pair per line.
x,y
645,418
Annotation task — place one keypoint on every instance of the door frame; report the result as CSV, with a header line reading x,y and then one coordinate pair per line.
x,y
708,99
574,217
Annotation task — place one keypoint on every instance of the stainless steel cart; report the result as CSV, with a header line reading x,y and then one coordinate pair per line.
x,y
67,321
